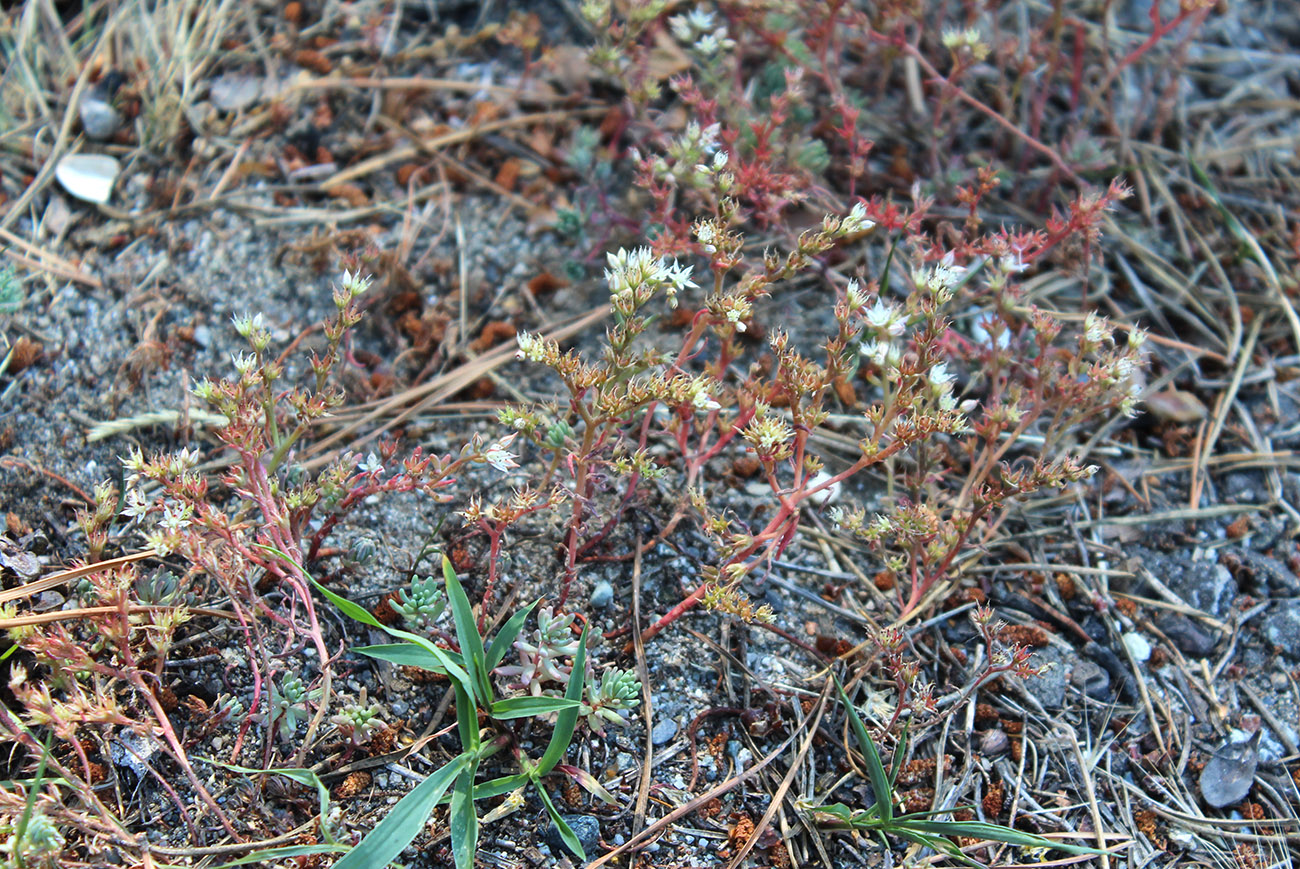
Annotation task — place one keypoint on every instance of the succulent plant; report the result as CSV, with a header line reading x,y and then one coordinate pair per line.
x,y
422,606
540,659
610,696
360,723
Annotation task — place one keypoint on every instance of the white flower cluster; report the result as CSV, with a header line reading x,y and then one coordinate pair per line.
x,y
940,280
856,221
696,29
631,272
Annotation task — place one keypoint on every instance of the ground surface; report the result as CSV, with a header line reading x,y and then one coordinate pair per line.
x,y
1163,593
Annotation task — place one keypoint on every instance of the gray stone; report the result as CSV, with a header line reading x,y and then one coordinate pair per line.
x,y
1228,776
1282,627
1091,679
98,118
1186,634
1206,585
663,732
602,595
1049,686
584,827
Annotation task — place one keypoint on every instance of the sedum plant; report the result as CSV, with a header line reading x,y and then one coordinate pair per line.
x,y
922,393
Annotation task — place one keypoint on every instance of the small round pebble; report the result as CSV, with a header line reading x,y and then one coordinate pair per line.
x,y
663,732
602,595
585,827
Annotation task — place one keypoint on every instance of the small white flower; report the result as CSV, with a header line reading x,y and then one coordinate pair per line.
x,y
1095,329
175,518
885,319
136,505
371,465
856,221
244,362
498,454
939,377
1012,264
531,347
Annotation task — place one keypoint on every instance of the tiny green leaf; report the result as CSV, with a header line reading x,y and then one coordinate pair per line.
x,y
523,707
509,632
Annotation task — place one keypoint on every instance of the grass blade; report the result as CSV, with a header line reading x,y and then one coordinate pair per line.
x,y
994,833
471,643
875,768
503,785
405,655
506,637
464,820
403,822
303,777
567,720
274,855
566,832
523,707
466,718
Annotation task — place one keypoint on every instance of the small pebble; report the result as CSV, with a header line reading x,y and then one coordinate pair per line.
x,y
1137,646
98,118
585,827
993,743
602,595
663,732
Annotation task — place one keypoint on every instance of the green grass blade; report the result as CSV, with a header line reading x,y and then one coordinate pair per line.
x,y
523,707
466,718
403,822
503,785
471,643
464,820
942,846
274,855
991,832
566,832
875,768
899,754
506,637
405,655
567,720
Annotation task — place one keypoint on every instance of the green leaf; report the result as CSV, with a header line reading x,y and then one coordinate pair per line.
x,y
503,785
404,821
404,655
875,769
471,643
349,608
506,637
450,661
569,838
466,718
899,754
567,720
464,820
994,833
272,855
523,707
